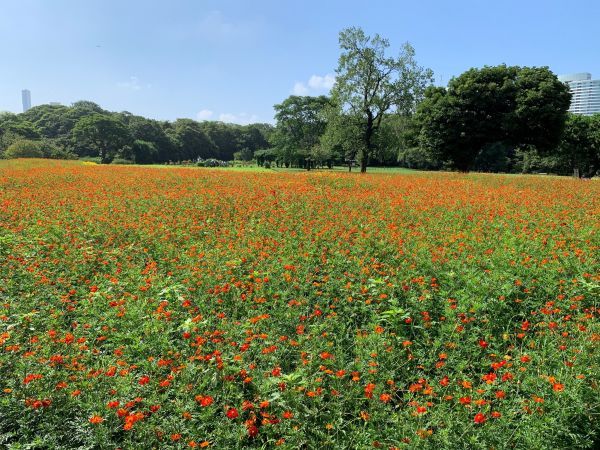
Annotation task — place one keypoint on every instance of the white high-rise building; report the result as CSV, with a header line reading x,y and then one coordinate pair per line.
x,y
26,97
585,92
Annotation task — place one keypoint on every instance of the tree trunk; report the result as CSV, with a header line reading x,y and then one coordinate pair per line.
x,y
364,161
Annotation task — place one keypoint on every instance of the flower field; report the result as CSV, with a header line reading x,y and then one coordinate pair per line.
x,y
193,308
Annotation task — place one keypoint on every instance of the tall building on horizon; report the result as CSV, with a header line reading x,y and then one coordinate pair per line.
x,y
585,92
26,97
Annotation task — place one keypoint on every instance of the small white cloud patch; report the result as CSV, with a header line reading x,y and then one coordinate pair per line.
x,y
240,119
205,114
316,84
133,84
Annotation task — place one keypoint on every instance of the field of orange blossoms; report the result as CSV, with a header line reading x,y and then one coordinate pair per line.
x,y
194,308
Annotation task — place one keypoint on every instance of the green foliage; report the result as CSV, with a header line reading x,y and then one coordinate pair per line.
x,y
579,148
25,149
102,135
343,135
36,149
515,106
244,154
301,121
191,142
370,84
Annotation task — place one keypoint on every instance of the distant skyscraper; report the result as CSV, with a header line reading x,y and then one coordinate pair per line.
x,y
585,92
26,97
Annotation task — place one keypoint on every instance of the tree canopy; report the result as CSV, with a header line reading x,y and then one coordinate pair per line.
x,y
102,135
515,106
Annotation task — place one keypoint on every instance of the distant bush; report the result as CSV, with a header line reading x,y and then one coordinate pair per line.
x,y
121,161
26,148
211,162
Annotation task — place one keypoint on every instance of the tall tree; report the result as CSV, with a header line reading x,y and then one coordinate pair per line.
x,y
513,106
370,84
101,134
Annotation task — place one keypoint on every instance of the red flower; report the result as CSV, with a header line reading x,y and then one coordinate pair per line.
x,y
204,400
479,418
232,413
144,380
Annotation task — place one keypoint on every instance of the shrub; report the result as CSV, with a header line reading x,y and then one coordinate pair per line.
x,y
121,161
24,149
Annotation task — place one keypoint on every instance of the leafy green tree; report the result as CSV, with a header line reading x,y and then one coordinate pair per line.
x,y
52,121
579,148
151,132
301,121
225,137
21,128
191,141
515,106
343,135
370,84
244,154
101,134
140,152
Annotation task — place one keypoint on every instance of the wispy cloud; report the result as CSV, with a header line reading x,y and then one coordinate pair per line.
x,y
316,84
241,118
205,114
133,84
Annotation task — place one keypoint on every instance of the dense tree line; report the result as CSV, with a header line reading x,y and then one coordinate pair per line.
x,y
84,129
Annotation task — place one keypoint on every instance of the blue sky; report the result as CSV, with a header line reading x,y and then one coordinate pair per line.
x,y
233,60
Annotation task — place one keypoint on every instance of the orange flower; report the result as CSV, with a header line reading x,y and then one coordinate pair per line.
x,y
385,397
96,420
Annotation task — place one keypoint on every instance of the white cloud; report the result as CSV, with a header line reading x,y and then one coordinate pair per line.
x,y
133,84
316,84
240,119
323,83
205,114
299,89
